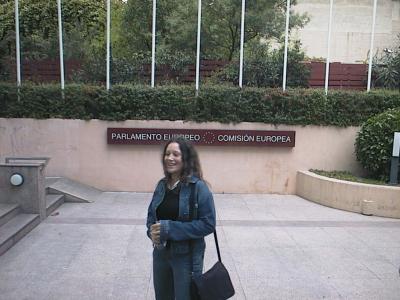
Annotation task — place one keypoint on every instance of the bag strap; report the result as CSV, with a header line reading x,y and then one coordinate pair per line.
x,y
193,206
216,246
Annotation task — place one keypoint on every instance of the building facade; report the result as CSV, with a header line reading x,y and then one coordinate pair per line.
x,y
351,28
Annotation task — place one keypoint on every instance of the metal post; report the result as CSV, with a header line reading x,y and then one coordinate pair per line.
x,y
394,167
241,44
286,44
153,44
17,45
371,48
198,47
108,44
329,48
60,39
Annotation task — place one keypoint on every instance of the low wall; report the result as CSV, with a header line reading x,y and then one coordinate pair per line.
x,y
78,150
364,198
31,194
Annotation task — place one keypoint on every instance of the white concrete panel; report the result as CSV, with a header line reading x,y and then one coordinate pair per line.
x,y
351,28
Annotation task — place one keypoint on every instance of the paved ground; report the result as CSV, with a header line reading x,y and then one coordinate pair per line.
x,y
275,247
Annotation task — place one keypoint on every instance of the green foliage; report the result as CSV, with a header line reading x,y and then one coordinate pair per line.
x,y
346,175
214,103
374,142
84,24
386,68
263,67
82,20
135,26
220,33
135,68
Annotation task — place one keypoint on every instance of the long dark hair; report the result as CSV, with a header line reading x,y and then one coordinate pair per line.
x,y
190,159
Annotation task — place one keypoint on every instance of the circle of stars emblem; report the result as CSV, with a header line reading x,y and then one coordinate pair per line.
x,y
208,137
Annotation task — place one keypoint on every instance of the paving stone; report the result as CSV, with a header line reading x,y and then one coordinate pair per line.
x,y
274,246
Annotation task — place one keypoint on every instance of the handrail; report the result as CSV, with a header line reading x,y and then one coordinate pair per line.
x,y
25,158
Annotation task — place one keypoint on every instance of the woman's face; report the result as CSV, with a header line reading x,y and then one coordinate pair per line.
x,y
173,159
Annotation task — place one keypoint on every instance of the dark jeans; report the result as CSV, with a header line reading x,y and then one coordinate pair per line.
x,y
172,273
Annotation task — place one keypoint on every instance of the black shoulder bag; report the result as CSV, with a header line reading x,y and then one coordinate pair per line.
x,y
215,284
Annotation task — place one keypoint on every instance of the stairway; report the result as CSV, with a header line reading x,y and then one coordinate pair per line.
x,y
14,224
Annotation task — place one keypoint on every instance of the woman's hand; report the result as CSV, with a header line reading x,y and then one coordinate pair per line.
x,y
155,233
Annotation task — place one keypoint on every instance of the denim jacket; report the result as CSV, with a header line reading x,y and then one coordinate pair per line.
x,y
179,233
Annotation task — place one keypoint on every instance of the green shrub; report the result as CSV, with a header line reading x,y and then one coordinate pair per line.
x,y
171,67
386,68
264,67
374,143
223,104
346,175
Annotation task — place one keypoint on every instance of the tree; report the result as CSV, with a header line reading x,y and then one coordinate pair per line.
x,y
177,25
264,67
134,33
39,25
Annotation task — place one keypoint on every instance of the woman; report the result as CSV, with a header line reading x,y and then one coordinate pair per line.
x,y
180,215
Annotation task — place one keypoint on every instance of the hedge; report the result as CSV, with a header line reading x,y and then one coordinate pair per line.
x,y
224,104
374,143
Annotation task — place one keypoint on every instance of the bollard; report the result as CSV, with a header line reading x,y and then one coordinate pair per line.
x,y
367,207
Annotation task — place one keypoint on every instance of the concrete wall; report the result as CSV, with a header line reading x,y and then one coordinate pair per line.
x,y
351,28
31,194
351,196
79,150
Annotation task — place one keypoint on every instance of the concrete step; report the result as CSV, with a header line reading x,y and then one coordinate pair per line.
x,y
15,229
53,202
74,191
8,211
51,180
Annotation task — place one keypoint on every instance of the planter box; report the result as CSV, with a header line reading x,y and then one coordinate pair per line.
x,y
368,199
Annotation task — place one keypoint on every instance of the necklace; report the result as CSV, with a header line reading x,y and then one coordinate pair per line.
x,y
174,185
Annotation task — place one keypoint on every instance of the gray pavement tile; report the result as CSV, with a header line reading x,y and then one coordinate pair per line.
x,y
245,237
297,262
374,261
392,254
79,286
344,237
274,246
337,263
367,288
289,288
310,237
378,237
236,211
103,252
130,287
11,285
259,263
278,237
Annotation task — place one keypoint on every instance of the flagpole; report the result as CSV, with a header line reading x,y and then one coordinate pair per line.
x,y
241,44
60,38
108,44
286,44
153,44
371,48
17,44
198,47
329,48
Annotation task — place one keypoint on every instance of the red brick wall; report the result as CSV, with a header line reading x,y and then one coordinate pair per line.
x,y
341,76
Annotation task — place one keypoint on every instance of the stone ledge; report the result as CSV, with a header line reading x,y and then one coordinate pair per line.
x,y
368,199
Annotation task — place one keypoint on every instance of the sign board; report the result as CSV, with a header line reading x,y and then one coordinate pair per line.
x,y
208,137
396,144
